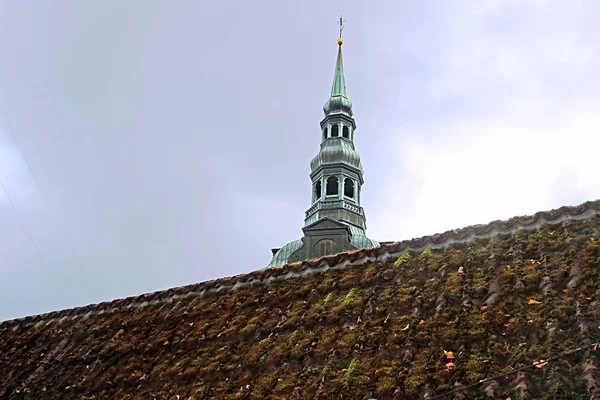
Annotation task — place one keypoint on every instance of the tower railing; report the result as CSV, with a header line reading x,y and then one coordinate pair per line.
x,y
331,204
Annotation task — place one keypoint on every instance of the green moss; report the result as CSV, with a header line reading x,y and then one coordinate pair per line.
x,y
295,337
385,297
285,384
476,366
404,258
532,274
373,334
425,253
480,282
420,371
352,297
328,371
371,273
352,280
507,278
453,285
249,327
263,386
354,370
346,340
386,385
328,298
299,349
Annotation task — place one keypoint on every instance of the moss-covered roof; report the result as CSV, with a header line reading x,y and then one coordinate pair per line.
x,y
406,320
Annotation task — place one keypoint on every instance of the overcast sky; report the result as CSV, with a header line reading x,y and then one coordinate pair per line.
x,y
171,140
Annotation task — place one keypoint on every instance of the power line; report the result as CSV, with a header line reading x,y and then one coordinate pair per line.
x,y
65,237
23,223
460,389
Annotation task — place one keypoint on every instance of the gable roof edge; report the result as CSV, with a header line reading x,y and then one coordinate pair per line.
x,y
308,267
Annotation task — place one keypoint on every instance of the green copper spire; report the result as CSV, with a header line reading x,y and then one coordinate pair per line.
x,y
338,102
339,83
335,221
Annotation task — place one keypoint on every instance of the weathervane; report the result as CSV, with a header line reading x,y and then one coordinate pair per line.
x,y
341,22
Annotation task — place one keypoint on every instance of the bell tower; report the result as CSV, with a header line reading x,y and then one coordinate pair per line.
x,y
335,220
336,171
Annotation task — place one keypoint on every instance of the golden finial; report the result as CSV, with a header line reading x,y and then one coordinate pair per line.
x,y
340,41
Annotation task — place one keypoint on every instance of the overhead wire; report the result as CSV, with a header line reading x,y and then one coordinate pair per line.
x,y
535,364
23,224
65,237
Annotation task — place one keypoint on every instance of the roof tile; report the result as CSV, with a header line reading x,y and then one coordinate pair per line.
x,y
373,322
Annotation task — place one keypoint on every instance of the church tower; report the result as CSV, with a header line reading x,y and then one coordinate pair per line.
x,y
335,221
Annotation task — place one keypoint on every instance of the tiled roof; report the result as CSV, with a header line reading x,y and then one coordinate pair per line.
x,y
405,320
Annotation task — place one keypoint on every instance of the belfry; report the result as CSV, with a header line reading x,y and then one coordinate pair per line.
x,y
335,221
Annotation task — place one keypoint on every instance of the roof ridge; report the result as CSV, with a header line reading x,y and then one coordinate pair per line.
x,y
308,267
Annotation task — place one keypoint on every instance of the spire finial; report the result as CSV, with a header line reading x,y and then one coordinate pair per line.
x,y
338,99
340,41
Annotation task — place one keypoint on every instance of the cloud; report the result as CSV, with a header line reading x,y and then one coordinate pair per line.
x,y
486,170
525,138
167,160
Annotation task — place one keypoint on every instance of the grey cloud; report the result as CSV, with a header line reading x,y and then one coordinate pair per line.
x,y
172,140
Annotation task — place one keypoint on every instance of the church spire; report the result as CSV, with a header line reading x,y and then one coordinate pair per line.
x,y
338,101
335,220
339,83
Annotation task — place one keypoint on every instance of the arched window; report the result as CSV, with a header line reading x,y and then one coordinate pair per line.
x,y
331,188
346,132
324,247
318,190
335,131
348,188
324,133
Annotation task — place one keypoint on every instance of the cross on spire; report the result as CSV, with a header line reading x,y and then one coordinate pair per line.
x,y
341,22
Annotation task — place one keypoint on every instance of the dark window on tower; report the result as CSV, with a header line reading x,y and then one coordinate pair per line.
x,y
325,247
346,132
318,190
324,133
348,188
331,188
335,131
